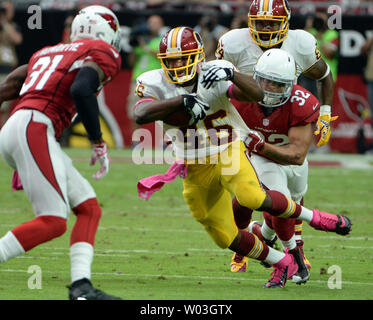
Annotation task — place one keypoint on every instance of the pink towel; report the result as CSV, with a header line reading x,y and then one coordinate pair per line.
x,y
16,182
147,186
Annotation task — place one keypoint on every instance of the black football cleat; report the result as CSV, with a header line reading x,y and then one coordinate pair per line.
x,y
303,274
83,290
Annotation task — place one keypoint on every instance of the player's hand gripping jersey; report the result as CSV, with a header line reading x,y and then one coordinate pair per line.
x,y
301,108
237,47
52,70
221,126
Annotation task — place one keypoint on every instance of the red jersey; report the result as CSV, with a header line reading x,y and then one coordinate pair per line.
x,y
301,108
51,72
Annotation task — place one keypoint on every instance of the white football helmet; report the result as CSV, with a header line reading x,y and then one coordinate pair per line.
x,y
98,23
275,73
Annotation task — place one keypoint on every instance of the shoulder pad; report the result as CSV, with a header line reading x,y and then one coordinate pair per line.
x,y
304,42
151,78
235,40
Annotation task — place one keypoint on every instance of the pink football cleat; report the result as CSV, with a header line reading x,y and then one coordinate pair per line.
x,y
330,222
283,270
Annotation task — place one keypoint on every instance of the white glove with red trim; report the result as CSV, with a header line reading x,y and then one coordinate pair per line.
x,y
254,142
100,154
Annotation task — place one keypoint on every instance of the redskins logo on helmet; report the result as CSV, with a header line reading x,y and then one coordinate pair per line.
x,y
183,44
269,22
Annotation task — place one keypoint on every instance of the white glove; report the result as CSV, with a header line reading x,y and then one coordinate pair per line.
x,y
254,142
215,74
195,107
100,154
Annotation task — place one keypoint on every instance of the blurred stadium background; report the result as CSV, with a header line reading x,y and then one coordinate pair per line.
x,y
352,132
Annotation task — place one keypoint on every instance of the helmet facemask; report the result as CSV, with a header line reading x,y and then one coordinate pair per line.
x,y
186,72
268,39
180,52
277,91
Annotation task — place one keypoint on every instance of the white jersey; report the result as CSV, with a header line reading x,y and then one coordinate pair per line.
x,y
237,47
221,126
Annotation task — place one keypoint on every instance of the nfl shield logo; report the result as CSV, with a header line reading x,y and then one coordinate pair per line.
x,y
265,122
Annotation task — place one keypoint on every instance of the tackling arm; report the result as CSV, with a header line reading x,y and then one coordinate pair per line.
x,y
300,139
11,86
245,88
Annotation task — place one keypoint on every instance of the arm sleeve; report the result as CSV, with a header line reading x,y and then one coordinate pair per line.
x,y
83,91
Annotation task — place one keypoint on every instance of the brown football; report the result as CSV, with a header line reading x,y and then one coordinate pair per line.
x,y
178,118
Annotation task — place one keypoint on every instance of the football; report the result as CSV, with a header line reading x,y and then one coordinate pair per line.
x,y
178,118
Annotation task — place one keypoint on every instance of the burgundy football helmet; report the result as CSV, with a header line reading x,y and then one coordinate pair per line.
x,y
181,43
275,13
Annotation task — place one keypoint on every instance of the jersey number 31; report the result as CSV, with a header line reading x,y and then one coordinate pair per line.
x,y
43,63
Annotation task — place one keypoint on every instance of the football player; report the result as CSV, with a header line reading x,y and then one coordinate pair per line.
x,y
284,120
268,27
212,150
59,82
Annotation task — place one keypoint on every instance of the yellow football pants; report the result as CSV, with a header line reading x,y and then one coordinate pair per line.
x,y
208,188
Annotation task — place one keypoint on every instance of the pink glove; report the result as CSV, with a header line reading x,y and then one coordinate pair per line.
x,y
254,142
100,154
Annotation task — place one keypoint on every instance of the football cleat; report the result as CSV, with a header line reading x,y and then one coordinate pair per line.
x,y
256,228
330,222
300,247
83,290
303,274
283,270
239,263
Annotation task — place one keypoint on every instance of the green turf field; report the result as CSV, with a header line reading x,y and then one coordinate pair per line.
x,y
155,250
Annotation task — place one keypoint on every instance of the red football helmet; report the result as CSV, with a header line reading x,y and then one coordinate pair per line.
x,y
185,44
269,22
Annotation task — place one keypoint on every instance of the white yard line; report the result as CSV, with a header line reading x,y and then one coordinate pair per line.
x,y
191,277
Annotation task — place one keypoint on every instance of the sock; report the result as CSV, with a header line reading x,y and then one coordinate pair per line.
x,y
81,257
39,230
251,246
298,228
284,207
242,215
273,256
88,215
284,228
10,247
82,238
267,232
306,214
290,244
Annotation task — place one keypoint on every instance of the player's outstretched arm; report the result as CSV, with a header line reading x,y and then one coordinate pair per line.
x,y
245,88
300,139
321,72
11,86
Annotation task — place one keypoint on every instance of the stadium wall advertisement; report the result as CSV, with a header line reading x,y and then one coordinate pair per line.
x,y
352,132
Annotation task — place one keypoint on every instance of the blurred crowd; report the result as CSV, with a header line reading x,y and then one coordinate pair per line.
x,y
227,6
